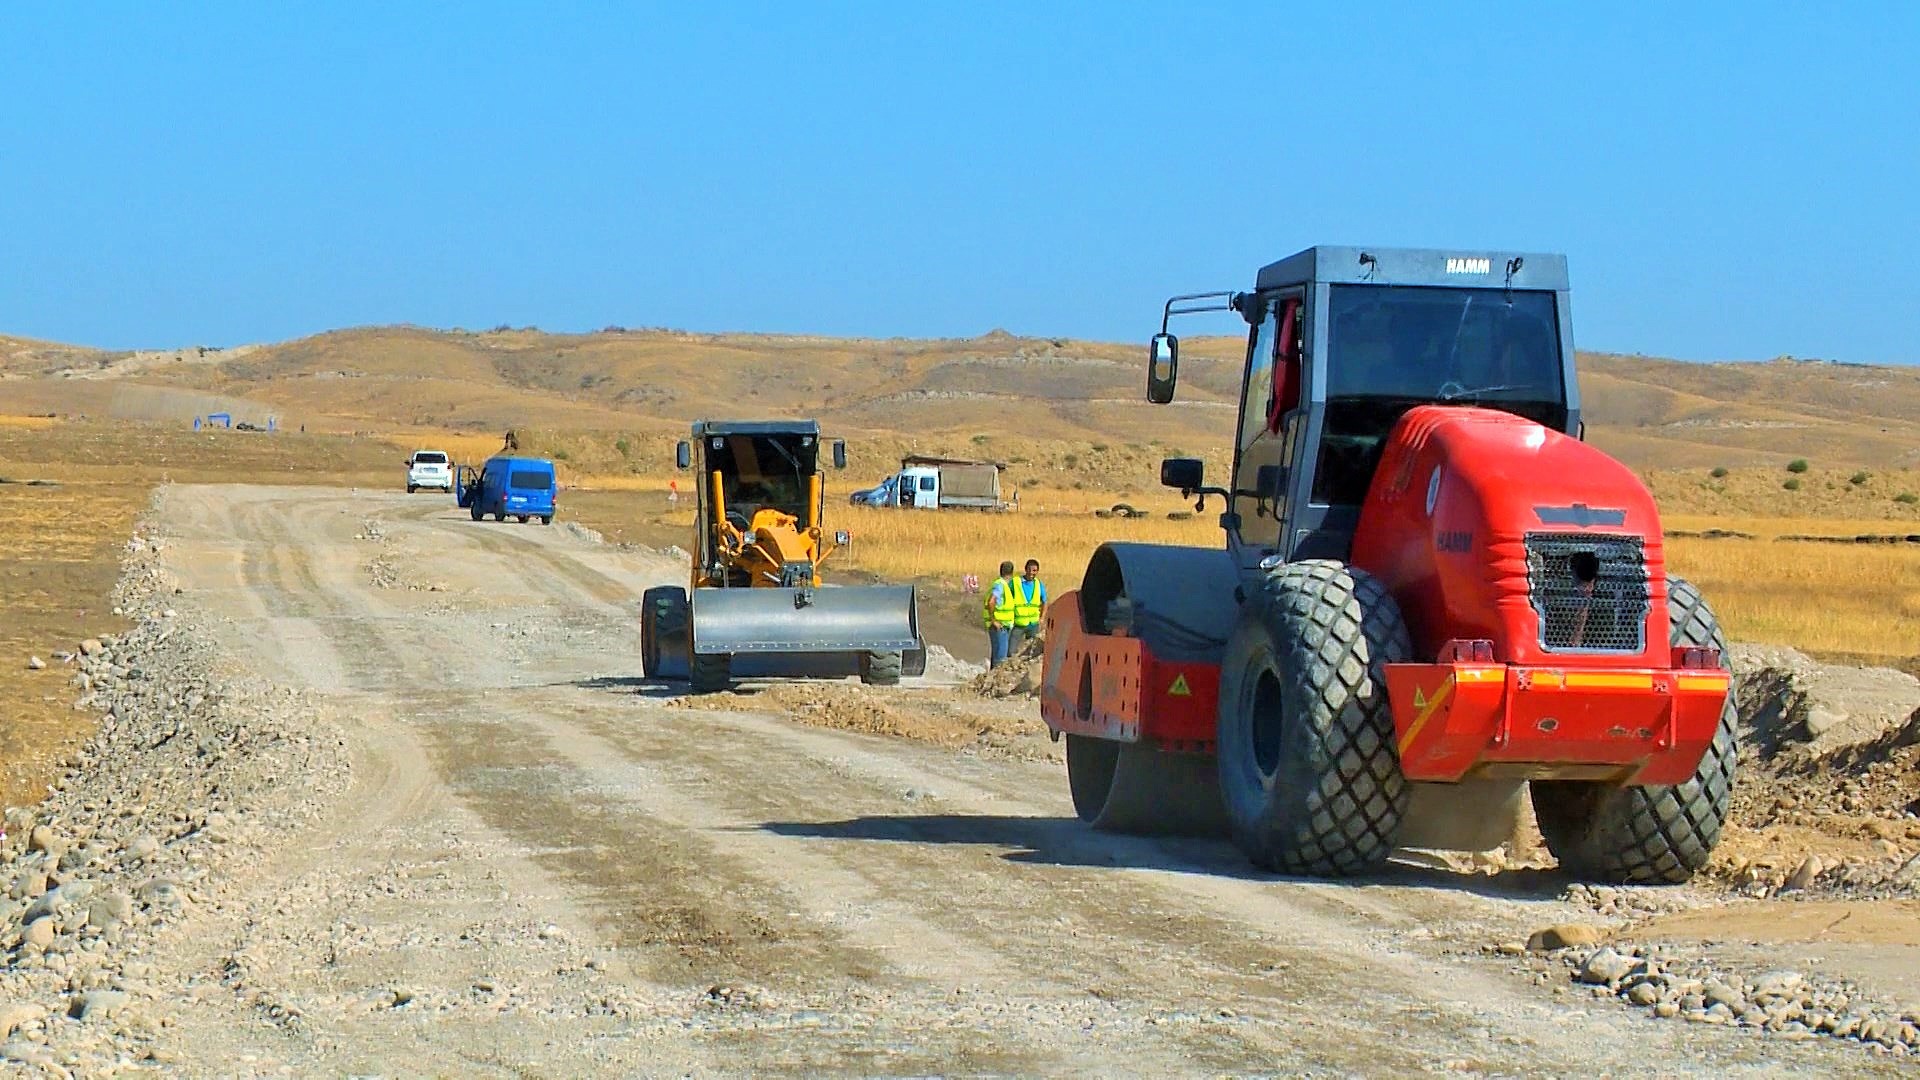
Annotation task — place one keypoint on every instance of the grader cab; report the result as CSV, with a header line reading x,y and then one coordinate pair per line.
x,y
1433,601
756,602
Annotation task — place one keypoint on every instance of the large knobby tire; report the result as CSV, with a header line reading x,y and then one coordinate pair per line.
x,y
1648,835
709,672
1307,763
881,668
663,620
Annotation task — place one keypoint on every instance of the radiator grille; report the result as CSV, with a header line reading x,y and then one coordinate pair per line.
x,y
1589,591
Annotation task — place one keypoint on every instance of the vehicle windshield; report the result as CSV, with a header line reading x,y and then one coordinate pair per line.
x,y
1474,345
1392,347
761,471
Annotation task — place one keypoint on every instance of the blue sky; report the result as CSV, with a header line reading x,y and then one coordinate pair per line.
x,y
1728,181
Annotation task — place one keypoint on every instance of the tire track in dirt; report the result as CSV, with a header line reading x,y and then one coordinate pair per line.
x,y
1076,912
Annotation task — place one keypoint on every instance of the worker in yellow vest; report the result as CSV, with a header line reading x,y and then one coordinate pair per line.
x,y
997,613
1029,605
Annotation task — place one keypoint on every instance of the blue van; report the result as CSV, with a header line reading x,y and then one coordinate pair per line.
x,y
521,486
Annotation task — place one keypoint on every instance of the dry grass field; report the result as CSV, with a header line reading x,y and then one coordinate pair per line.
x,y
70,497
1878,500
59,555
1840,601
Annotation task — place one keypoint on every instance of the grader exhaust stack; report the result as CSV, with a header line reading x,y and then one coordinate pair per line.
x,y
757,604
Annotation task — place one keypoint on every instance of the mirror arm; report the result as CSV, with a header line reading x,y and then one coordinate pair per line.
x,y
1194,303
1199,495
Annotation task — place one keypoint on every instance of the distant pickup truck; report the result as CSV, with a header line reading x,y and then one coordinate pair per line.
x,y
429,469
936,483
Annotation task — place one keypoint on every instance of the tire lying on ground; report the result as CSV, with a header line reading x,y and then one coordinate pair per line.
x,y
1648,835
1307,764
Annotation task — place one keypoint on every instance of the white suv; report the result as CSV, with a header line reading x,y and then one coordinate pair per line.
x,y
429,469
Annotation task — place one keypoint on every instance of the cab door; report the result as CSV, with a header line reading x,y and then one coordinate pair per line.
x,y
1268,433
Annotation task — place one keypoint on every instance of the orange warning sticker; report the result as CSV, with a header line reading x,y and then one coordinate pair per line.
x,y
1179,687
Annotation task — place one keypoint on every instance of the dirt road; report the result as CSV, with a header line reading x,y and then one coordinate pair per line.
x,y
537,865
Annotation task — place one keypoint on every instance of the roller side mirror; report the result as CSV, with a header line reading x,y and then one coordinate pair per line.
x,y
1163,368
1184,473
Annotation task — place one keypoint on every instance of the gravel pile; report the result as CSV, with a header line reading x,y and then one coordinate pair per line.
x,y
190,776
1800,713
1816,877
1781,1003
1827,799
1018,677
945,668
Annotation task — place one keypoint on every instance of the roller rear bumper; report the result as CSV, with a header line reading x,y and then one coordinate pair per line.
x,y
1452,722
1461,721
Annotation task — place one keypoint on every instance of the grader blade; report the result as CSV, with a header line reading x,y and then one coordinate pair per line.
x,y
830,619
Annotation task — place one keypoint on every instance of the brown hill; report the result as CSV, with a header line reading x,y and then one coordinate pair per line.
x,y
947,392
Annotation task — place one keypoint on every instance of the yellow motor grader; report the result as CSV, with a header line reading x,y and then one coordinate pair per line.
x,y
756,605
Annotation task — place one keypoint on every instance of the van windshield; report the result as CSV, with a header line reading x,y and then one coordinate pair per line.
x,y
530,479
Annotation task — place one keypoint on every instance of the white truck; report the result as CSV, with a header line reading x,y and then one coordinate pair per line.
x,y
937,483
429,469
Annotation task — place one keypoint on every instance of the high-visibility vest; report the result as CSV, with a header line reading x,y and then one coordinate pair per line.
x,y
1000,613
1026,605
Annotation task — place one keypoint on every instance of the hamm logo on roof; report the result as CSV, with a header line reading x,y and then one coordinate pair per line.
x,y
1469,266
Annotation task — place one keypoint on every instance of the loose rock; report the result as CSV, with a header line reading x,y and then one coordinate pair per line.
x,y
98,1004
39,933
14,1017
1604,966
1803,877
1565,936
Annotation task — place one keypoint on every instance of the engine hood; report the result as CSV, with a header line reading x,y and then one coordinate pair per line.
x,y
1485,525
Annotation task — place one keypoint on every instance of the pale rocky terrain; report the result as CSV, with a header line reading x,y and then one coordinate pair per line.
x,y
380,791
